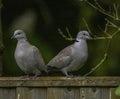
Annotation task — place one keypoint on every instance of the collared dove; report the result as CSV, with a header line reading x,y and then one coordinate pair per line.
x,y
27,56
73,57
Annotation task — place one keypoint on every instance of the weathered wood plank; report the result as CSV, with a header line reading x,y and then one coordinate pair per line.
x,y
22,93
105,93
7,93
59,81
38,93
113,96
94,93
52,93
63,93
30,93
58,88
71,93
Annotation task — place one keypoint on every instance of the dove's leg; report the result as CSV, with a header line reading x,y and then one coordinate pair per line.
x,y
64,71
25,76
35,74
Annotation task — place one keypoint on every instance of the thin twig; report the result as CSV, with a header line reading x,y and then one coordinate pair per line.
x,y
99,6
106,28
70,38
61,33
95,37
116,10
115,33
101,38
98,65
101,10
87,25
113,25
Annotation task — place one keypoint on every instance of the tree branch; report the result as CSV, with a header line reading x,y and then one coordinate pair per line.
x,y
103,11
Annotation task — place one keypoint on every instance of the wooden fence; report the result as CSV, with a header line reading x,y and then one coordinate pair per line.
x,y
58,88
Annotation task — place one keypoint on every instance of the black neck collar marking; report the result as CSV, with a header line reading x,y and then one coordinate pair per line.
x,y
77,41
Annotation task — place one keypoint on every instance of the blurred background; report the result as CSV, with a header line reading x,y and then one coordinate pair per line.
x,y
40,19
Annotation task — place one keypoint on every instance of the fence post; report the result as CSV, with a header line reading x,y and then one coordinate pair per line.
x,y
1,41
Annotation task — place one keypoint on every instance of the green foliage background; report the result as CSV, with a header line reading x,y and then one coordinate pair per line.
x,y
40,19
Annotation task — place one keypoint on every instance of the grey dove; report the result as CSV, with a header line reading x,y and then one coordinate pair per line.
x,y
73,57
27,56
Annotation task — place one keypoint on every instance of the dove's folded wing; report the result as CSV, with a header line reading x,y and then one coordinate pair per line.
x,y
62,59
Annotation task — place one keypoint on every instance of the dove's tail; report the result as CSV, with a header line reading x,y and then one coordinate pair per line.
x,y
51,68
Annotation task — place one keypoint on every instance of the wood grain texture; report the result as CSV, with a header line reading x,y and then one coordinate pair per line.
x,y
38,93
59,81
63,93
58,88
30,93
7,93
22,93
112,93
95,93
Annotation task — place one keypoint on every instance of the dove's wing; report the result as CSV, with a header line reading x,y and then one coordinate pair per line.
x,y
62,59
38,58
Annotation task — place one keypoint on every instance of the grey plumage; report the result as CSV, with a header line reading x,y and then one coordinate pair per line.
x,y
72,57
27,56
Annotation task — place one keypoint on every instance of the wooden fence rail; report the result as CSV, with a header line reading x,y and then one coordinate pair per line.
x,y
59,88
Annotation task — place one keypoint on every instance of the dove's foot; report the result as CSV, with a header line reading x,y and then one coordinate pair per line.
x,y
24,77
64,71
29,76
33,76
69,75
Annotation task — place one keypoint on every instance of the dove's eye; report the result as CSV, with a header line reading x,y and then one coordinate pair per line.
x,y
19,33
85,34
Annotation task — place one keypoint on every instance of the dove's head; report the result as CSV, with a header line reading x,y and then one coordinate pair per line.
x,y
19,34
83,35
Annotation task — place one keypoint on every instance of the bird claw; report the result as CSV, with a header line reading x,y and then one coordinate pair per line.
x,y
33,77
24,77
28,76
69,75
